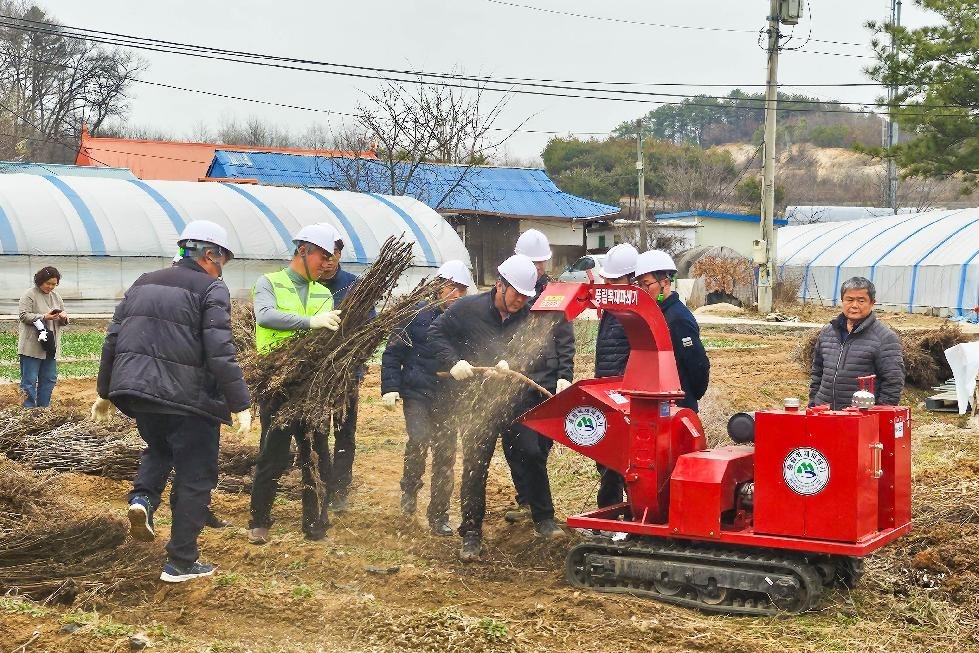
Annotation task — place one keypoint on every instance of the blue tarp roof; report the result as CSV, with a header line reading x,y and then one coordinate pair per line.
x,y
740,217
517,192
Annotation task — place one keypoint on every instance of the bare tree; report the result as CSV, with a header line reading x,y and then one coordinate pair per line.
x,y
702,183
411,125
51,83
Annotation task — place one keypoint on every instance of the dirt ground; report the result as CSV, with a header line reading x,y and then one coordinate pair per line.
x,y
379,582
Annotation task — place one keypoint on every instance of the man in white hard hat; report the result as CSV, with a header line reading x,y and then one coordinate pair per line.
x,y
168,362
409,374
656,274
340,282
612,351
287,301
479,330
526,450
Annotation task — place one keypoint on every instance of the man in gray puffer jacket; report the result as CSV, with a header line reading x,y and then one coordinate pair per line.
x,y
856,344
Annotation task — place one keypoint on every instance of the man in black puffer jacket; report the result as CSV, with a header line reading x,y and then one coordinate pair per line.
x,y
409,372
855,344
169,363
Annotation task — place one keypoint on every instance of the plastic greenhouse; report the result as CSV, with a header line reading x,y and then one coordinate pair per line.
x,y
103,233
920,263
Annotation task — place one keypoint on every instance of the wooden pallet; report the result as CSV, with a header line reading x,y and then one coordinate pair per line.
x,y
946,400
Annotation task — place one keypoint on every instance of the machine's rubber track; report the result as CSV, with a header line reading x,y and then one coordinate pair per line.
x,y
719,579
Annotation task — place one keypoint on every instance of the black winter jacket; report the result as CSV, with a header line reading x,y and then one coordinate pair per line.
x,y
169,346
872,348
611,347
472,330
408,365
691,358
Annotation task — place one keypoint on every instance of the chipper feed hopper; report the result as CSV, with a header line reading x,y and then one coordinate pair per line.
x,y
754,528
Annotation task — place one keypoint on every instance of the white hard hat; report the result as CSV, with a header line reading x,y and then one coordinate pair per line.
x,y
654,260
533,244
620,261
205,231
322,235
520,272
456,272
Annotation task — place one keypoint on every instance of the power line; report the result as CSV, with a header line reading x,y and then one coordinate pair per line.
x,y
207,52
626,21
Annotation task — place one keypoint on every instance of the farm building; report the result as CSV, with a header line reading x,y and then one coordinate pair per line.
x,y
103,233
921,263
488,206
689,229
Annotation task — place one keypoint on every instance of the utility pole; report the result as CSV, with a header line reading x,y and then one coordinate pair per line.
x,y
764,249
892,126
640,168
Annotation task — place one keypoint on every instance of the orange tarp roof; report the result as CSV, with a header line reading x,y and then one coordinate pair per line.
x,y
171,161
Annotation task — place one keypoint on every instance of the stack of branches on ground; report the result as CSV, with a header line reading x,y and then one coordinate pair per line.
x,y
315,371
924,353
53,549
63,441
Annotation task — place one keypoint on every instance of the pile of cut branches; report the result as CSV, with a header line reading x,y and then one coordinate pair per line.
x,y
314,372
62,441
52,549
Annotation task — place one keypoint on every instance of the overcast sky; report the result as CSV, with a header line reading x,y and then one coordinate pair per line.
x,y
639,41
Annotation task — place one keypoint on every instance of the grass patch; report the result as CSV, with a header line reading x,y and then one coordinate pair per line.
x,y
80,350
18,605
97,625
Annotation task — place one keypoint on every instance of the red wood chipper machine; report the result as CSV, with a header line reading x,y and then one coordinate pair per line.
x,y
755,528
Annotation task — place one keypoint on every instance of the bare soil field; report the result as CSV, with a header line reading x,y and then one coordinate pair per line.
x,y
380,582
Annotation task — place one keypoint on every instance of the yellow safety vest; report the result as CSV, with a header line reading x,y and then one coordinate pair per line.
x,y
287,300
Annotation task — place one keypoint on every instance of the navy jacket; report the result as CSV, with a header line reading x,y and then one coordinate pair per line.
x,y
169,349
340,284
691,358
409,365
611,347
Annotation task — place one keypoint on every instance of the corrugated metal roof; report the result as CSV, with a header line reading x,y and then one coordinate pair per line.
x,y
918,261
169,160
515,192
61,170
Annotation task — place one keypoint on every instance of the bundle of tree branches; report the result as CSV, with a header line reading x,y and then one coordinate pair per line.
x,y
924,353
315,371
243,327
51,548
62,441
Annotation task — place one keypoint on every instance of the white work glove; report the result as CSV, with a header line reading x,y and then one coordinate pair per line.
x,y
502,366
390,399
326,319
39,324
244,421
101,410
563,384
42,336
462,370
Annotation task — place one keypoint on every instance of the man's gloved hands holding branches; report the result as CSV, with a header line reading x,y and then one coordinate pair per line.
x,y
327,319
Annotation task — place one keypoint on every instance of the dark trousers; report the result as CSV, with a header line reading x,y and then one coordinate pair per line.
x,y
188,445
344,448
517,473
526,452
428,430
611,487
274,458
478,443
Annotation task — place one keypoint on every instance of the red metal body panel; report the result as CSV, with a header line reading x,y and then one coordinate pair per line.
x,y
828,482
813,474
894,507
703,486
